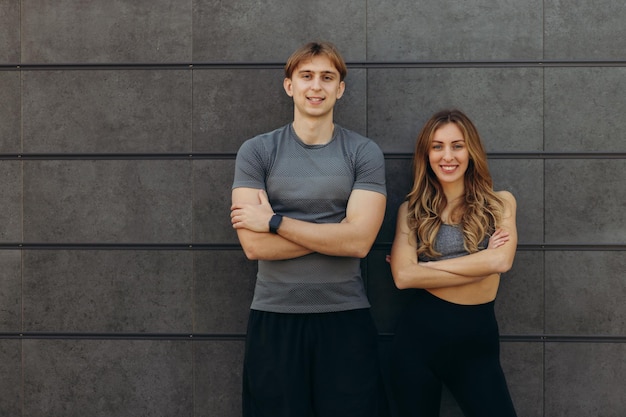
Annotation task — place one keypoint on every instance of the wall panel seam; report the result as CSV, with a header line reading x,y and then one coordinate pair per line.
x,y
280,65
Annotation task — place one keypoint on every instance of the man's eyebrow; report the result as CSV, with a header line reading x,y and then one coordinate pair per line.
x,y
321,72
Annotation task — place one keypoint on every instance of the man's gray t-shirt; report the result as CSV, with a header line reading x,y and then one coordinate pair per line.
x,y
310,183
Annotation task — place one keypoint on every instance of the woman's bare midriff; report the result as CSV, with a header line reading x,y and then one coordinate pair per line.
x,y
475,293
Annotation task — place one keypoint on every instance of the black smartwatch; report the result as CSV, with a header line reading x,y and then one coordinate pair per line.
x,y
275,223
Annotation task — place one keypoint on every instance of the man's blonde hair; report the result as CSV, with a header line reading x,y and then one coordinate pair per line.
x,y
313,49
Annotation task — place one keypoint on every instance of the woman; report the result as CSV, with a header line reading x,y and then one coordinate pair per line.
x,y
454,237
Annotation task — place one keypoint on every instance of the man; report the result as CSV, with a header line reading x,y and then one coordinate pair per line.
x,y
308,200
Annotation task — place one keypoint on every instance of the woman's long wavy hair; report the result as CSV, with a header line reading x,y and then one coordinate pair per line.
x,y
477,214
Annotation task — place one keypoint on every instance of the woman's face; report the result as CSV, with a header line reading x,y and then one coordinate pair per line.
x,y
448,154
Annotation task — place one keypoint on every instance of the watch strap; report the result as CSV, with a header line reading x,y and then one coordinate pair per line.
x,y
275,222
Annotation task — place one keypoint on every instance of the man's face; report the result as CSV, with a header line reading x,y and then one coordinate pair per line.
x,y
315,87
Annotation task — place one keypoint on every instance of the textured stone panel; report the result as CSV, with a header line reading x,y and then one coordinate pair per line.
x,y
108,291
107,201
231,106
504,103
270,31
584,30
104,378
524,178
520,301
387,301
585,379
98,31
351,109
107,111
10,111
10,383
523,366
223,288
450,30
9,32
10,201
212,183
399,177
583,293
218,369
10,292
585,201
585,107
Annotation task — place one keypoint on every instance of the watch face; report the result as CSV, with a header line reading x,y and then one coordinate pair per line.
x,y
275,223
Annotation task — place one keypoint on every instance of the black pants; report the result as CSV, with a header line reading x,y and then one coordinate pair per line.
x,y
437,343
311,365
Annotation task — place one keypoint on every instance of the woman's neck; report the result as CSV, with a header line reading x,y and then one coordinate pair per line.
x,y
453,192
454,195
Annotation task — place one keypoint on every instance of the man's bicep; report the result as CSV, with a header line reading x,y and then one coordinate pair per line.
x,y
367,208
244,195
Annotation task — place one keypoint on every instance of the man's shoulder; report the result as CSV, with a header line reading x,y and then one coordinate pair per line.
x,y
272,135
351,134
267,140
359,142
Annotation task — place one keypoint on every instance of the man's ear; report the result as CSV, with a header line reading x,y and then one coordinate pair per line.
x,y
287,86
341,89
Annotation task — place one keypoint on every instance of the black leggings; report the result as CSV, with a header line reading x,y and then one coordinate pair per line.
x,y
438,342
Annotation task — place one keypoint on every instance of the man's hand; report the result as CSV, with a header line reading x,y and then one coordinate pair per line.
x,y
254,217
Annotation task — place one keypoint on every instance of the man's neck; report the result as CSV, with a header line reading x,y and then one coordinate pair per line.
x,y
314,131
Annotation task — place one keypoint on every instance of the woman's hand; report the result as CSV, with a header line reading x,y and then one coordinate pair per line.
x,y
499,238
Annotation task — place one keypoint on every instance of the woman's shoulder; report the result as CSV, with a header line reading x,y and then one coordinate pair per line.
x,y
507,196
510,204
404,207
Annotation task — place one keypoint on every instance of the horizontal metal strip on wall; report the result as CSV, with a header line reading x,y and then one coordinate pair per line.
x,y
280,65
563,338
121,336
530,338
115,156
120,246
235,246
232,156
532,247
533,155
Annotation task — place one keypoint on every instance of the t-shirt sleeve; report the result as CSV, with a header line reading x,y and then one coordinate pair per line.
x,y
250,167
370,169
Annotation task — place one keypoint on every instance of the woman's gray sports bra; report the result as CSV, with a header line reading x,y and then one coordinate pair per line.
x,y
449,243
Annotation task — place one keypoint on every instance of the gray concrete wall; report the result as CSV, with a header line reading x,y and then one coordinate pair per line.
x,y
123,291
